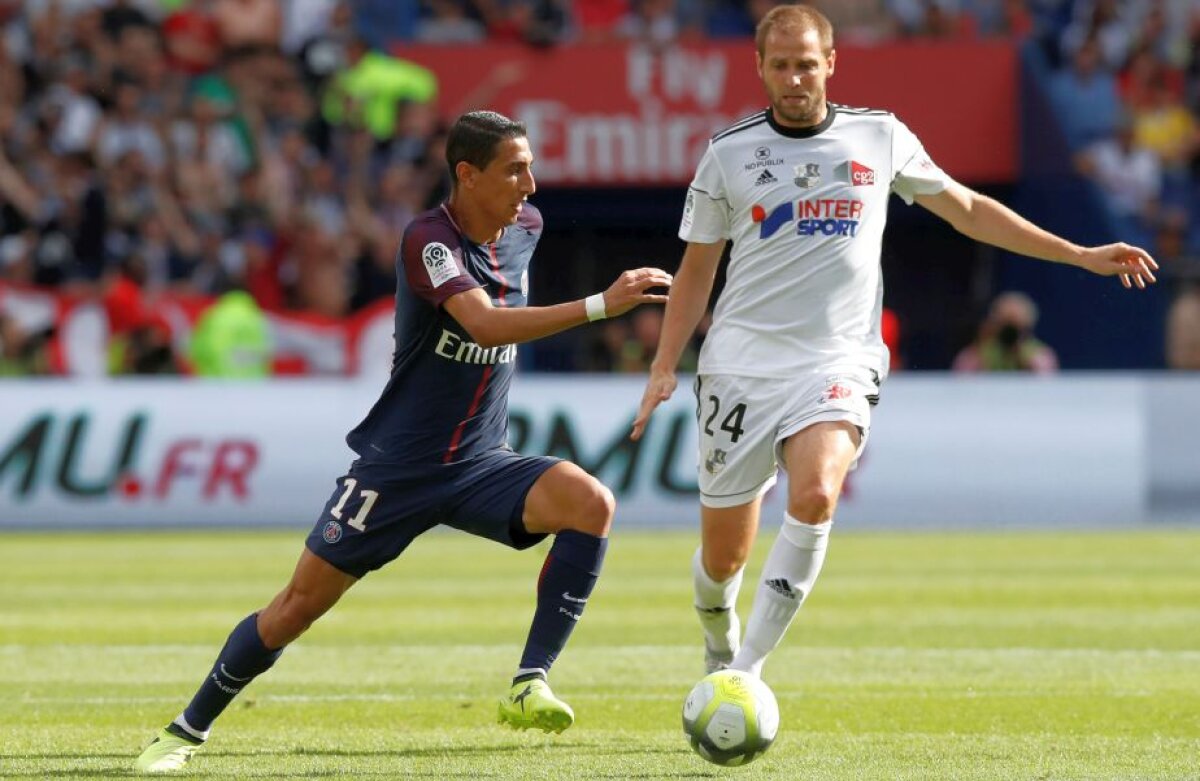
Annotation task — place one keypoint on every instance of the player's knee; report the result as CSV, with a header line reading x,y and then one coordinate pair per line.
x,y
593,508
723,565
814,502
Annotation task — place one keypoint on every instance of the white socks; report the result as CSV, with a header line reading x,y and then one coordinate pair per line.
x,y
715,604
788,576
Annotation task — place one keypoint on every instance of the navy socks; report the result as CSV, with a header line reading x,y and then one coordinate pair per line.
x,y
566,582
243,658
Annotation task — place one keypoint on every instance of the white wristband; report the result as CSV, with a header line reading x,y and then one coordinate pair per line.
x,y
594,304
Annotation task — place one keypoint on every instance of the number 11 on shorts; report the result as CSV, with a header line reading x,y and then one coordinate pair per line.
x,y
359,521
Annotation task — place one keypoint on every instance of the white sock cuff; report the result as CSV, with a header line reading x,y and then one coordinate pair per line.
x,y
182,723
702,574
807,536
716,593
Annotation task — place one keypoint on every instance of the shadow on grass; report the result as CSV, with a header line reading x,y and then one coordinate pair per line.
x,y
124,770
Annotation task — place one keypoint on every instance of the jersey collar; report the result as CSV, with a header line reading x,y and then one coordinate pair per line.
x,y
803,132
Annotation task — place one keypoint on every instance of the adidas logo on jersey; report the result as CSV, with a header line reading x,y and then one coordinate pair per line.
x,y
766,177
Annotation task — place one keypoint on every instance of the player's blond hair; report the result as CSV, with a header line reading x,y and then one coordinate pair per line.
x,y
797,20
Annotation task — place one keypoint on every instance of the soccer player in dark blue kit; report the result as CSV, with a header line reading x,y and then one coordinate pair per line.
x,y
433,448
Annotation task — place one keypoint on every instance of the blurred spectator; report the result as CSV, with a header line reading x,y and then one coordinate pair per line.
x,y
1001,17
859,22
123,130
148,349
1108,25
536,22
192,38
448,21
1183,331
656,23
1006,341
596,20
927,18
139,339
22,354
368,92
242,23
304,20
70,109
1164,126
1180,265
1129,176
1085,97
638,349
603,351
232,339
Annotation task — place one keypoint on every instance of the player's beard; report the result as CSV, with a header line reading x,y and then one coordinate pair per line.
x,y
801,115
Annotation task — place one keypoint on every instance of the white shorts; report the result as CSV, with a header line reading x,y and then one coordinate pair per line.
x,y
743,422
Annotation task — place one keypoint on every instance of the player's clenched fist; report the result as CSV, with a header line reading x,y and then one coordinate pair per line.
x,y
631,288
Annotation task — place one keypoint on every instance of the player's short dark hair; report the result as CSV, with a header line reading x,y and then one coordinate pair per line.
x,y
798,19
474,137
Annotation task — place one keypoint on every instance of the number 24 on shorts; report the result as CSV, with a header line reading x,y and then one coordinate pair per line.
x,y
369,497
732,422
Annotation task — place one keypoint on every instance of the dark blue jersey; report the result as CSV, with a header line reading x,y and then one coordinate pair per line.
x,y
447,399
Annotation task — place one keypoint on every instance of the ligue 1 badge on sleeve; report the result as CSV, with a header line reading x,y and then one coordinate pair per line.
x,y
808,175
689,209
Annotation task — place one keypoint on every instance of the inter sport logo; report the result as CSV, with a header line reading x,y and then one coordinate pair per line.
x,y
815,217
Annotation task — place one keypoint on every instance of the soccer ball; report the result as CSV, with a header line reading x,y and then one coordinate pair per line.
x,y
730,717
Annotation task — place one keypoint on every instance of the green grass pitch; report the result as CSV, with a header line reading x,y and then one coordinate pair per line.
x,y
1039,656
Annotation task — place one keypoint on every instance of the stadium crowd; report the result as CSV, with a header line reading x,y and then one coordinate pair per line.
x,y
198,147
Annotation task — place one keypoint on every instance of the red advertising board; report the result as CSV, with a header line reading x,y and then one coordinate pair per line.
x,y
624,114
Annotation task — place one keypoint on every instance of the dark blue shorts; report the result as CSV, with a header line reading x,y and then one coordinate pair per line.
x,y
377,510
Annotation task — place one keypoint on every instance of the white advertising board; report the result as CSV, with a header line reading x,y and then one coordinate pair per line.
x,y
945,451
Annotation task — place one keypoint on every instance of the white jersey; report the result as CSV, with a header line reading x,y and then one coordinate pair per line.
x,y
805,209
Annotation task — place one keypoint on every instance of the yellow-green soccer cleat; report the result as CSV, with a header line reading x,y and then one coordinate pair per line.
x,y
169,752
531,705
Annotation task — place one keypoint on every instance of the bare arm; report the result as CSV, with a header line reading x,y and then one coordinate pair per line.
x,y
687,303
989,221
490,325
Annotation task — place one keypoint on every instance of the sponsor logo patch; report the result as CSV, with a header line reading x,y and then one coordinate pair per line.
x,y
439,263
861,175
812,217
766,177
837,391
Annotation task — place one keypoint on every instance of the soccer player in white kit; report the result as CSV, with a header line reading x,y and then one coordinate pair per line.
x,y
794,359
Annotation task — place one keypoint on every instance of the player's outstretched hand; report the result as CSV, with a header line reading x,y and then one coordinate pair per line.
x,y
1133,264
659,388
630,290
